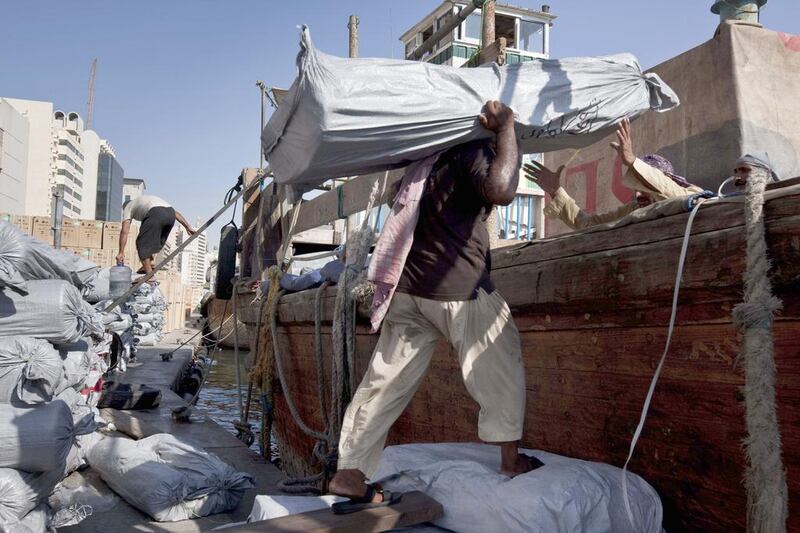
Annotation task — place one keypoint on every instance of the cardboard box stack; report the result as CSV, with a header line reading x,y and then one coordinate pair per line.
x,y
95,240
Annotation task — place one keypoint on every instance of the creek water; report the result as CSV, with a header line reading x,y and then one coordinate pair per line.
x,y
219,398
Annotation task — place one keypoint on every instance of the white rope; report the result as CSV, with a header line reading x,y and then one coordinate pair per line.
x,y
765,476
653,382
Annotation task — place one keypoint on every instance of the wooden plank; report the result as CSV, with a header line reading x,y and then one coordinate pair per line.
x,y
414,508
711,218
354,195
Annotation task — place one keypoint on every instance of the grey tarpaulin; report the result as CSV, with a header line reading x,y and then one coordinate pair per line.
x,y
21,492
35,439
24,258
30,370
344,117
168,478
52,310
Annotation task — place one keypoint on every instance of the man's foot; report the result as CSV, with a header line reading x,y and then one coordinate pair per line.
x,y
522,464
351,483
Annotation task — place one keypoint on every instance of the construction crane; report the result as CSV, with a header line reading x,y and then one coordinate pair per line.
x,y
90,101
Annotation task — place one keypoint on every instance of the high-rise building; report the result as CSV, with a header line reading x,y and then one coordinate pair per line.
x,y
59,151
110,180
194,261
13,159
132,188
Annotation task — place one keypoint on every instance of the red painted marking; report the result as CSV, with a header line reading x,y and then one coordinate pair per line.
x,y
589,170
623,193
792,42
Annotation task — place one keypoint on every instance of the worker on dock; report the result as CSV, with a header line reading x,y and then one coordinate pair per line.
x,y
157,218
445,291
651,177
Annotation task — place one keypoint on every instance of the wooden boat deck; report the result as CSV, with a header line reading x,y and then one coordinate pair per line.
x,y
592,309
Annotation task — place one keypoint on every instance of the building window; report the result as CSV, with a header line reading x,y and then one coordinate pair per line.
x,y
531,36
505,26
77,196
472,26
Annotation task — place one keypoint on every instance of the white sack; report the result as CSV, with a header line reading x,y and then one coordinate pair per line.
x,y
78,359
167,478
344,117
98,286
39,520
23,258
21,491
148,340
35,439
565,495
30,370
266,507
52,310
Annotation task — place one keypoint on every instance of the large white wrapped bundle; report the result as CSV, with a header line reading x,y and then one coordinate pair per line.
x,y
98,286
344,117
23,258
21,492
30,370
52,310
563,495
35,439
168,478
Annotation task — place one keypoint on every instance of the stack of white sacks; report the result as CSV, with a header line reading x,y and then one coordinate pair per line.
x,y
148,306
53,353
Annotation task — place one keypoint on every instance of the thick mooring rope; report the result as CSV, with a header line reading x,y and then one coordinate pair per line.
x,y
765,477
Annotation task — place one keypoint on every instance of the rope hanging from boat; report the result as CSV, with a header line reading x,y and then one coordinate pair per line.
x,y
651,390
765,476
344,313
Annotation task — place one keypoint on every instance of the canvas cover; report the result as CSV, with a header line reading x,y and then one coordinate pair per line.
x,y
168,478
52,310
30,370
20,493
344,117
36,439
565,494
24,258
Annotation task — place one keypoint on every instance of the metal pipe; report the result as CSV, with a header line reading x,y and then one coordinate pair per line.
x,y
58,214
449,25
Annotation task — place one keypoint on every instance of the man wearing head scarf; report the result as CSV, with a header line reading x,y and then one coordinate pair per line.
x,y
651,177
750,162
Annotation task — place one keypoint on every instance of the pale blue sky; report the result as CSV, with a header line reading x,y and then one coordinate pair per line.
x,y
176,91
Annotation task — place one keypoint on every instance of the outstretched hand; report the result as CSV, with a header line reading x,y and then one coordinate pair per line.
x,y
496,116
624,144
545,178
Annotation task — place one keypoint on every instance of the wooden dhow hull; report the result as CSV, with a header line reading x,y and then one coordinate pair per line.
x,y
592,309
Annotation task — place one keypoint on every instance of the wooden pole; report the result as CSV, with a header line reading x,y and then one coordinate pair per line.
x,y
352,25
487,39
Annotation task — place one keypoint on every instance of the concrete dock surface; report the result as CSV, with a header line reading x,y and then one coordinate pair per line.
x,y
202,431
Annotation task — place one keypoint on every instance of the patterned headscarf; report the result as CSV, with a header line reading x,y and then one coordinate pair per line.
x,y
663,164
761,160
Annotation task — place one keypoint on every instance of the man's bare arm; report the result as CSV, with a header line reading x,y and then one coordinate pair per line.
x,y
123,240
500,186
184,223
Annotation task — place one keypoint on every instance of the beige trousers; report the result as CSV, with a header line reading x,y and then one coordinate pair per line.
x,y
483,333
